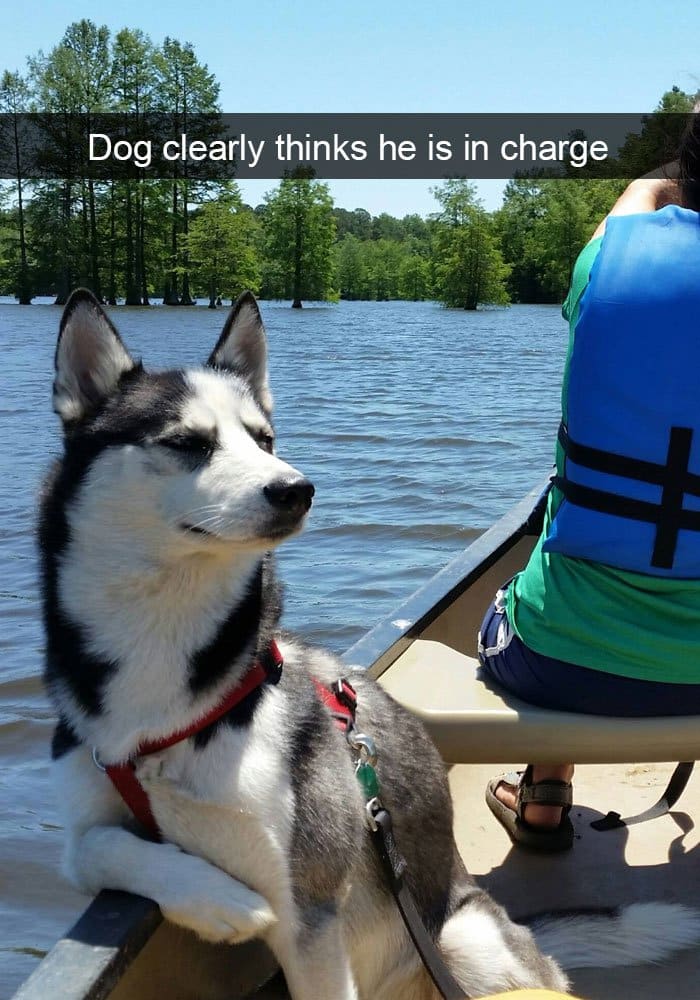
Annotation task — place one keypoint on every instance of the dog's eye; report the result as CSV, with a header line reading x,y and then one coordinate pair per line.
x,y
266,441
189,444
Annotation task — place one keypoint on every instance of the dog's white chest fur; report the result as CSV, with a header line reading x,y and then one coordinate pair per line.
x,y
231,802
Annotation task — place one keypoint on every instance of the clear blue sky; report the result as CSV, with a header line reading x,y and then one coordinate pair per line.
x,y
450,56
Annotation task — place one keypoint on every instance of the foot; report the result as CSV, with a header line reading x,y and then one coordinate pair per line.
x,y
544,817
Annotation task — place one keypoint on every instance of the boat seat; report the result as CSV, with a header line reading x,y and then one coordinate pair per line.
x,y
472,720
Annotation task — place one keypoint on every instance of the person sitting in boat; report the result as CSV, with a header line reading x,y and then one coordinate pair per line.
x,y
605,618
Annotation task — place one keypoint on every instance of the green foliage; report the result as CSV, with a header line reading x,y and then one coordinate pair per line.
x,y
543,225
300,233
351,267
657,143
15,98
76,76
383,269
414,277
469,266
358,223
134,72
223,248
174,237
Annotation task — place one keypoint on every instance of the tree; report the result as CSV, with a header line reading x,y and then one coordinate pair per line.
x,y
134,82
75,78
386,227
351,269
659,138
383,258
14,100
185,88
222,248
514,223
469,266
300,230
414,273
570,211
358,223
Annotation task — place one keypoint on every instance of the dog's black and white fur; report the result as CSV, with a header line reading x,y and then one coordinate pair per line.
x,y
159,590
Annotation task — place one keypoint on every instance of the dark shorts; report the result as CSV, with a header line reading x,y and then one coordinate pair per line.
x,y
556,684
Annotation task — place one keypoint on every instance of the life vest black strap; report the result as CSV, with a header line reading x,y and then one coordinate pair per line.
x,y
670,522
669,515
611,503
621,465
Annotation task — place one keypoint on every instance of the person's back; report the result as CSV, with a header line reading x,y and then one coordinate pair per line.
x,y
605,618
596,591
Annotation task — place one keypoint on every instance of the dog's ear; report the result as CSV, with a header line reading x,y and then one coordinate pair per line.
x,y
242,348
90,358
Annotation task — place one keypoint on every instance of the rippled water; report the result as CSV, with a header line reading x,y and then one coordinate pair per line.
x,y
419,426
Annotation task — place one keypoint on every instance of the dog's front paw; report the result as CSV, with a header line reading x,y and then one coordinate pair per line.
x,y
217,907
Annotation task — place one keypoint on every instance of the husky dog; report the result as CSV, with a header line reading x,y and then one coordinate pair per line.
x,y
157,526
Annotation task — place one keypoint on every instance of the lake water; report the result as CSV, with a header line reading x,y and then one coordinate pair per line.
x,y
419,427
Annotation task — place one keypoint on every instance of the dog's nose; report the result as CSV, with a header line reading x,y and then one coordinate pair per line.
x,y
293,496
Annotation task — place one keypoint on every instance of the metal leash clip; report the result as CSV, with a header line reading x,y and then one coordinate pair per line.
x,y
364,745
372,807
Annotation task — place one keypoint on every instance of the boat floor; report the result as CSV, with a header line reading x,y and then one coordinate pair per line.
x,y
654,860
658,859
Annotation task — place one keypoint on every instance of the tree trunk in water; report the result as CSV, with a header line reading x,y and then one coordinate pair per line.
x,y
132,292
84,262
112,290
94,243
186,298
298,245
141,243
23,292
65,277
170,296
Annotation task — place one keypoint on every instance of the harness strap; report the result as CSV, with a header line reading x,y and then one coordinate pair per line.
x,y
123,777
340,700
266,669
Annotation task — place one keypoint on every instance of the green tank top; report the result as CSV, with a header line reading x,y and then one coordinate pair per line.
x,y
596,616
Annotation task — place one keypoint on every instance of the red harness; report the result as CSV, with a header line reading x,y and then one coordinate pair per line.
x,y
339,698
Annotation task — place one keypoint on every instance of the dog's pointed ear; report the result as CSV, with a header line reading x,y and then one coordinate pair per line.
x,y
90,358
242,348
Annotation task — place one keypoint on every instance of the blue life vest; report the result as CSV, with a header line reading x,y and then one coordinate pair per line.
x,y
631,428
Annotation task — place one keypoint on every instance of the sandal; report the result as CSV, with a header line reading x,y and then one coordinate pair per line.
x,y
549,792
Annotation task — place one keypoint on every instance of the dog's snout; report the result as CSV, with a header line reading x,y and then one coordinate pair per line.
x,y
293,496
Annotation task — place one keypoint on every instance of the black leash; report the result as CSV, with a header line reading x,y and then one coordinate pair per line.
x,y
674,789
341,700
395,865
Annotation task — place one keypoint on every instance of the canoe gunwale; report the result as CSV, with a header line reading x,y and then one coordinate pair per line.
x,y
377,650
87,963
